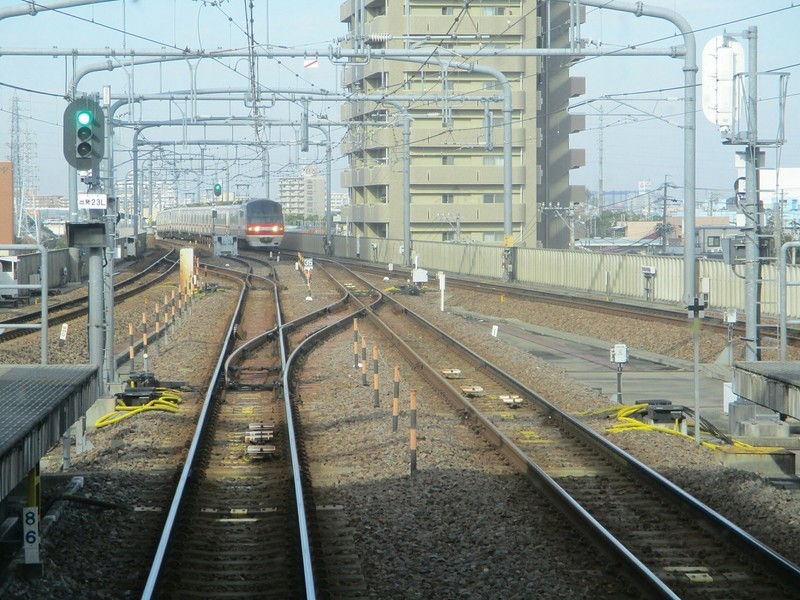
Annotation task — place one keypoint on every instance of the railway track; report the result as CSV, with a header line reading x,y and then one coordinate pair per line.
x,y
232,528
644,312
68,310
665,540
236,533
235,513
239,523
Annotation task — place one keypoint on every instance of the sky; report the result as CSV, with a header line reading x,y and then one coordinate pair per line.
x,y
641,99
41,82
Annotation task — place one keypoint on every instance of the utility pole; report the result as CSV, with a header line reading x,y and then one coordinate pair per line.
x,y
665,227
752,212
600,203
664,220
777,222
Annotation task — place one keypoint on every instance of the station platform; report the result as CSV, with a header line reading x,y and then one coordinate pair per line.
x,y
39,403
774,384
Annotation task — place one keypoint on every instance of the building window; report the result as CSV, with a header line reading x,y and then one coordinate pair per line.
x,y
448,160
493,198
492,161
713,241
493,11
449,10
447,198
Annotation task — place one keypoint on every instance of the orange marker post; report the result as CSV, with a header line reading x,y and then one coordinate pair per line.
x,y
363,360
144,352
396,398
131,347
355,343
376,401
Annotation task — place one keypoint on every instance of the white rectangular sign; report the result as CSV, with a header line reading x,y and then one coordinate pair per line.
x,y
89,201
30,534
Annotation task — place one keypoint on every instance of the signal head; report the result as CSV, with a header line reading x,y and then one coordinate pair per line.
x,y
84,124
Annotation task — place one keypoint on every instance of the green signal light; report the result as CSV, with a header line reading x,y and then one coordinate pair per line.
x,y
84,117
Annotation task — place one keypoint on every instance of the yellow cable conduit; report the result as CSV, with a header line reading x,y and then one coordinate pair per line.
x,y
627,422
168,400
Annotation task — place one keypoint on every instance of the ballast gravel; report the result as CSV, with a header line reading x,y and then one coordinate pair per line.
x,y
399,559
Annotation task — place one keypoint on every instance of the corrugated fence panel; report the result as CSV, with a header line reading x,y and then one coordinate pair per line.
x,y
607,274
725,289
793,292
769,291
29,265
473,260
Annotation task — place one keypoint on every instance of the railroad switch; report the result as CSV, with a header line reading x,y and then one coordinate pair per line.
x,y
661,412
141,379
407,289
142,387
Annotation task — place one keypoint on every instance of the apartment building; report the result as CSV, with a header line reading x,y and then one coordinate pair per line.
x,y
455,146
304,195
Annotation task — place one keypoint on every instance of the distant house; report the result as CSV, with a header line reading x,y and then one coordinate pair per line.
x,y
645,236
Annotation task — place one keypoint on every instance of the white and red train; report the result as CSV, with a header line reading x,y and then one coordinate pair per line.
x,y
256,223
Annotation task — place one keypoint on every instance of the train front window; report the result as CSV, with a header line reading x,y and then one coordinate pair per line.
x,y
263,213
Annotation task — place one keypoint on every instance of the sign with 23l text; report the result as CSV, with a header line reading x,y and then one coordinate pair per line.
x,y
90,201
